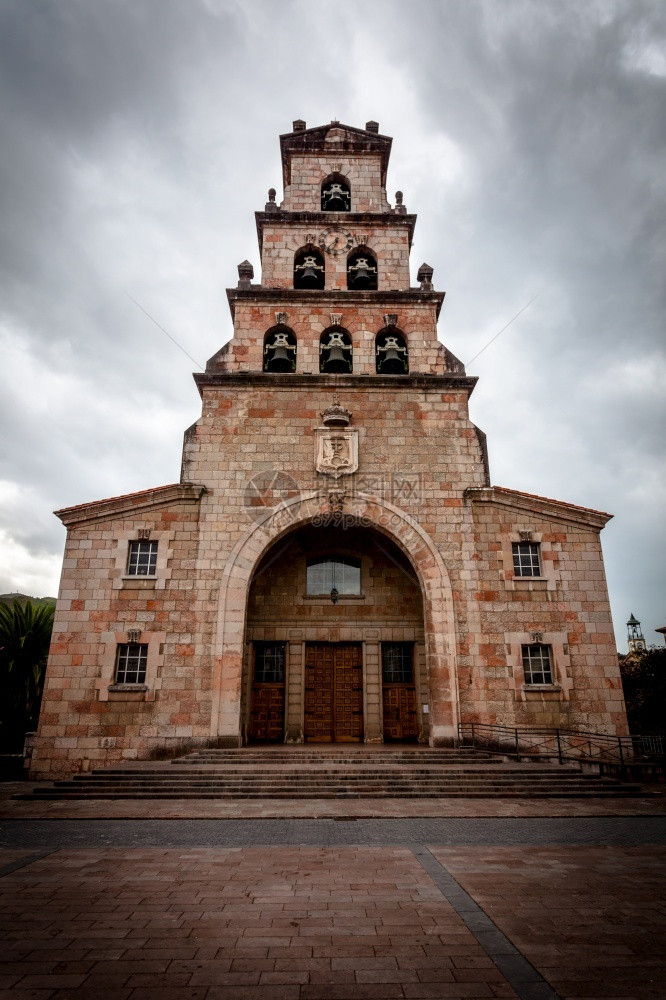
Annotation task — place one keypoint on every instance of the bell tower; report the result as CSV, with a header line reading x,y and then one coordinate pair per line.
x,y
335,296
635,637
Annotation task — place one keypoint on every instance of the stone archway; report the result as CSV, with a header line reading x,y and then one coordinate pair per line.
x,y
407,534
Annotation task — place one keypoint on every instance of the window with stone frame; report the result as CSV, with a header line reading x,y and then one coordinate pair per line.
x,y
269,660
537,663
333,573
397,662
526,558
142,558
131,662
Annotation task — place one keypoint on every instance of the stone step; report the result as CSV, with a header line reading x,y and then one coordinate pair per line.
x,y
625,791
534,773
302,774
323,779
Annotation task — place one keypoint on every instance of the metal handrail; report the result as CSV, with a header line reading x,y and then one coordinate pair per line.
x,y
564,744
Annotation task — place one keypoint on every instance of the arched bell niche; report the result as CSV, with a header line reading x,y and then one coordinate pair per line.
x,y
309,268
391,353
335,194
279,350
362,270
335,351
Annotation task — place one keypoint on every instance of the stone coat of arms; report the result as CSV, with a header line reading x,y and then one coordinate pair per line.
x,y
336,444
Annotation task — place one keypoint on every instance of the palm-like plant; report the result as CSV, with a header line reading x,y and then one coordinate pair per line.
x,y
25,635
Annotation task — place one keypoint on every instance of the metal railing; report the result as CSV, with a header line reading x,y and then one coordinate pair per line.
x,y
543,742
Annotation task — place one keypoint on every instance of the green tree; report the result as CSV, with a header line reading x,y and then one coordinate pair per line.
x,y
644,684
25,635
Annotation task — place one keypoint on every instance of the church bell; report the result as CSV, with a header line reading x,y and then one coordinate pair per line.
x,y
308,277
336,361
392,363
280,360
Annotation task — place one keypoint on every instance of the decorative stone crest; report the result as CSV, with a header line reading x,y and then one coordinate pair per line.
x,y
336,319
336,444
336,501
390,319
336,415
280,319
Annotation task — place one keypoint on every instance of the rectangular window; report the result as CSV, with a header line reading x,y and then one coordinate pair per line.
x,y
397,663
537,664
526,559
324,575
269,662
131,659
142,559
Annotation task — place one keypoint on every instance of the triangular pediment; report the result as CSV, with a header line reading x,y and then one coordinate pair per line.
x,y
335,136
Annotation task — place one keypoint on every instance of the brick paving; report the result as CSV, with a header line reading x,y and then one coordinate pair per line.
x,y
224,912
279,924
592,920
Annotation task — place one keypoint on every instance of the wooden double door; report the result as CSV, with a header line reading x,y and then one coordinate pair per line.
x,y
333,692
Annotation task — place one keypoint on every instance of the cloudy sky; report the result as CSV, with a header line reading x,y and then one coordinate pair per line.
x,y
139,136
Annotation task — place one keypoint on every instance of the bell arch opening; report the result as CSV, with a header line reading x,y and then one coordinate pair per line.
x,y
309,268
334,641
279,350
391,352
335,351
335,194
362,270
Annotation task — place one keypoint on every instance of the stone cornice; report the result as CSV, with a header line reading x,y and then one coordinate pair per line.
x,y
322,220
313,140
131,503
437,383
333,296
543,506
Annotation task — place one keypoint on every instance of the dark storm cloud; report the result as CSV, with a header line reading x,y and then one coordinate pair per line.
x,y
139,137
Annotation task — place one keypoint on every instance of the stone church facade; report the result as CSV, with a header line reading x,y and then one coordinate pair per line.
x,y
334,564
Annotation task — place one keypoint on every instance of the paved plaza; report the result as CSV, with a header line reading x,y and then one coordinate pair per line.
x,y
535,905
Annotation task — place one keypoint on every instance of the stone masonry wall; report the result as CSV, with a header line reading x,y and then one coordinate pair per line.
x,y
568,607
83,724
309,171
389,244
308,318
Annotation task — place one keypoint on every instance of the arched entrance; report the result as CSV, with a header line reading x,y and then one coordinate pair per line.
x,y
334,649
231,701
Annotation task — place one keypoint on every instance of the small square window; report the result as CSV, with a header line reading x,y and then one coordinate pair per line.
x,y
397,663
537,664
131,659
526,559
142,559
269,663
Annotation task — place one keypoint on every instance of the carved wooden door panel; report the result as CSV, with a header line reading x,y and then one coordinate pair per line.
x,y
333,693
400,721
319,663
267,715
348,694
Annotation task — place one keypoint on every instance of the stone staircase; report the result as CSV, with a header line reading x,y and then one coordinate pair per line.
x,y
326,772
